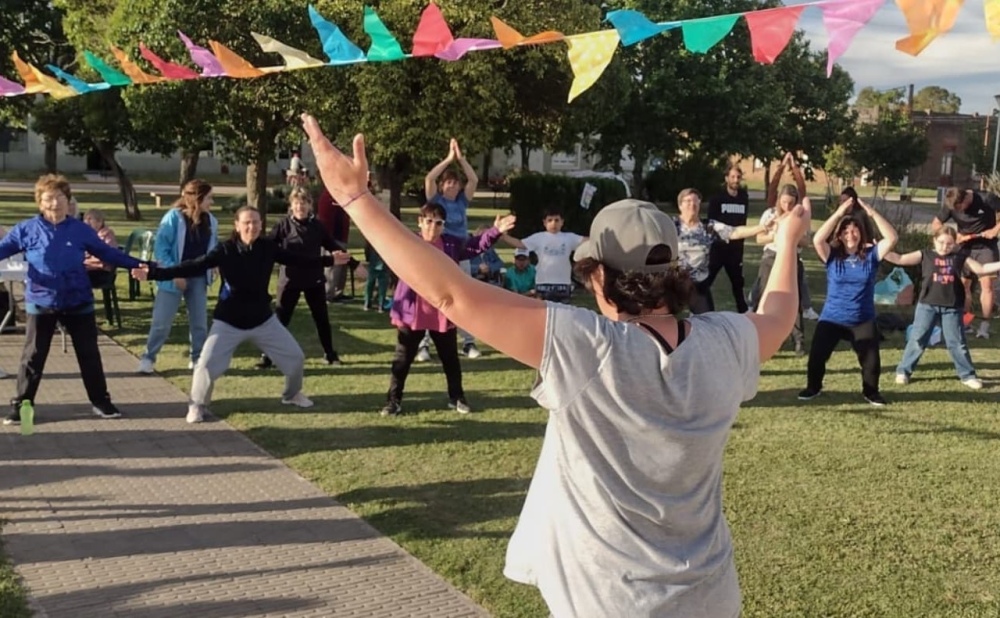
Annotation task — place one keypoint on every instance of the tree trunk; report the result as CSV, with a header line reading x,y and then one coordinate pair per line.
x,y
125,186
525,156
257,187
51,155
767,179
189,166
639,157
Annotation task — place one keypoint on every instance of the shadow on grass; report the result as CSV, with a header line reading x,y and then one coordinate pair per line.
x,y
290,442
449,509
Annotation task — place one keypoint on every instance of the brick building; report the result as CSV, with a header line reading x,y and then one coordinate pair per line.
x,y
954,141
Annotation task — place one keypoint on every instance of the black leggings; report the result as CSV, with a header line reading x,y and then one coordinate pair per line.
x,y
82,329
862,337
729,257
407,344
288,298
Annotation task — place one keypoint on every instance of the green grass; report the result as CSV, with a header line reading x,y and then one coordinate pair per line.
x,y
13,596
837,508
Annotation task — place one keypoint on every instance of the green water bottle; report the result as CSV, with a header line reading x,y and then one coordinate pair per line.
x,y
27,418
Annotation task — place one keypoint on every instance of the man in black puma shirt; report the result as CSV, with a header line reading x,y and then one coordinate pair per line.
x,y
731,207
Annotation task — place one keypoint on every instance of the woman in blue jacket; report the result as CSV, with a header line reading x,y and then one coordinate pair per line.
x,y
57,290
188,231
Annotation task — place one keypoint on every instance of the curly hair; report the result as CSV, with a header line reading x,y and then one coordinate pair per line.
x,y
52,183
631,292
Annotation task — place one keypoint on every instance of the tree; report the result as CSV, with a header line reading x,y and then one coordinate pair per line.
x,y
937,99
838,164
869,98
889,148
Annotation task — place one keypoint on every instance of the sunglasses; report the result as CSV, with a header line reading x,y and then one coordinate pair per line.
x,y
436,222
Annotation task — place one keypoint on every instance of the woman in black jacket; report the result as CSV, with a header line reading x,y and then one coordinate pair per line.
x,y
301,233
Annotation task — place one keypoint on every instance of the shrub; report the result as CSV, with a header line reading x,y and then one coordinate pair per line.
x,y
531,194
699,172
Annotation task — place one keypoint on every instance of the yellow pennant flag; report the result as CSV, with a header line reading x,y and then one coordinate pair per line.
x,y
294,58
589,55
927,19
37,82
992,9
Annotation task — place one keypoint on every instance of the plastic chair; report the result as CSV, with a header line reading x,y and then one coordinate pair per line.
x,y
109,294
141,241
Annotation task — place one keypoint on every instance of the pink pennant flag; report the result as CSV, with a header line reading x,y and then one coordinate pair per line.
x,y
210,66
9,88
432,35
167,69
770,31
460,47
842,21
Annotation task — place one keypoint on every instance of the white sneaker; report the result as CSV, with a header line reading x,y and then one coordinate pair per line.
x,y
423,355
902,378
299,399
810,314
146,366
195,414
973,383
471,350
984,330
191,364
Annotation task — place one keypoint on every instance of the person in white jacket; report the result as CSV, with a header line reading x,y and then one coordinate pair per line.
x,y
186,232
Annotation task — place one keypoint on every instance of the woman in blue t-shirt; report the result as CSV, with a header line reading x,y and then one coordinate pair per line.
x,y
942,297
849,311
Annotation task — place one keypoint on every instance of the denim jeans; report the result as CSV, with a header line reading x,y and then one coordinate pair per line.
x,y
925,317
165,308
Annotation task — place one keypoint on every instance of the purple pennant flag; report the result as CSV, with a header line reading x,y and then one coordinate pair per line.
x,y
210,66
460,47
9,88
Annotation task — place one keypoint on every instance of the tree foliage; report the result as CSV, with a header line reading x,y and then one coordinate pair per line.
x,y
869,98
937,99
889,148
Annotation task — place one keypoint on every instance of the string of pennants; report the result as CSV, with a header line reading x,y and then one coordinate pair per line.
x,y
589,53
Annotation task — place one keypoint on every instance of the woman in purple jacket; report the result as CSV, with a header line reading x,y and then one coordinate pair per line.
x,y
412,315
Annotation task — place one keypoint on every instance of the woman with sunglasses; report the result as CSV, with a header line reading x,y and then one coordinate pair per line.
x,y
412,315
977,239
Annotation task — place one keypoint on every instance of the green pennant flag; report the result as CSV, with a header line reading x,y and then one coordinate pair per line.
x,y
384,47
111,76
700,35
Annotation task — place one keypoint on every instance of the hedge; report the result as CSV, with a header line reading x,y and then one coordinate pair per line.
x,y
532,194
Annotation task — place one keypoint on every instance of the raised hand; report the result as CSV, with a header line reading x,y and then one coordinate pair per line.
x,y
141,273
345,177
456,150
453,152
504,223
795,224
341,257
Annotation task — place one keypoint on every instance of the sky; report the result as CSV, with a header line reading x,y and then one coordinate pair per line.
x,y
965,60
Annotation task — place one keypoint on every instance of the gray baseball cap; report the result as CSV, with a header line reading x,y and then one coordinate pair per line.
x,y
622,234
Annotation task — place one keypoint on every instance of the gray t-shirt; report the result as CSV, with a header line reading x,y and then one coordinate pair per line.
x,y
624,513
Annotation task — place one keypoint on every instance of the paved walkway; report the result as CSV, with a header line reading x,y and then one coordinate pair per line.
x,y
150,517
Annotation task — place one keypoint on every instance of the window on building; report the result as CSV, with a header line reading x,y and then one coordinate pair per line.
x,y
946,161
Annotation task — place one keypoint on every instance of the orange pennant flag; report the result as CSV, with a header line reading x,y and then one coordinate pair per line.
x,y
134,72
509,37
36,82
927,19
232,63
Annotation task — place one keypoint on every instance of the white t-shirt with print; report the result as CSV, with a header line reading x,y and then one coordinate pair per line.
x,y
765,219
553,250
623,516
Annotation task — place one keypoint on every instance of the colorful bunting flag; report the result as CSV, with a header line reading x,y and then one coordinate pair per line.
x,y
842,21
132,70
77,84
701,35
232,63
36,82
509,37
770,31
384,46
210,66
9,88
293,58
633,26
433,34
460,47
109,75
336,46
589,54
926,20
991,8
169,70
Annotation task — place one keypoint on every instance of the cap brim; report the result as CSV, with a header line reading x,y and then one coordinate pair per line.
x,y
585,250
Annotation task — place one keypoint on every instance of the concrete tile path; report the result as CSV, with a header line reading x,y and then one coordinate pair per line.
x,y
149,517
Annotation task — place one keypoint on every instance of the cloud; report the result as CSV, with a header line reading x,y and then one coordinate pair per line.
x,y
964,60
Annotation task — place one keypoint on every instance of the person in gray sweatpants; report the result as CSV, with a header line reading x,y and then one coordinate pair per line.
x,y
244,313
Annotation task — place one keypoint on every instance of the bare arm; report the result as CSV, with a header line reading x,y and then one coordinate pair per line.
x,y
472,181
907,259
746,231
430,180
821,238
978,269
513,242
772,188
779,303
936,225
484,310
800,180
889,236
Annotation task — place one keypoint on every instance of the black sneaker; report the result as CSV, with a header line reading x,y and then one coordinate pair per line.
x,y
460,405
807,393
333,359
14,418
105,409
264,363
391,408
876,399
